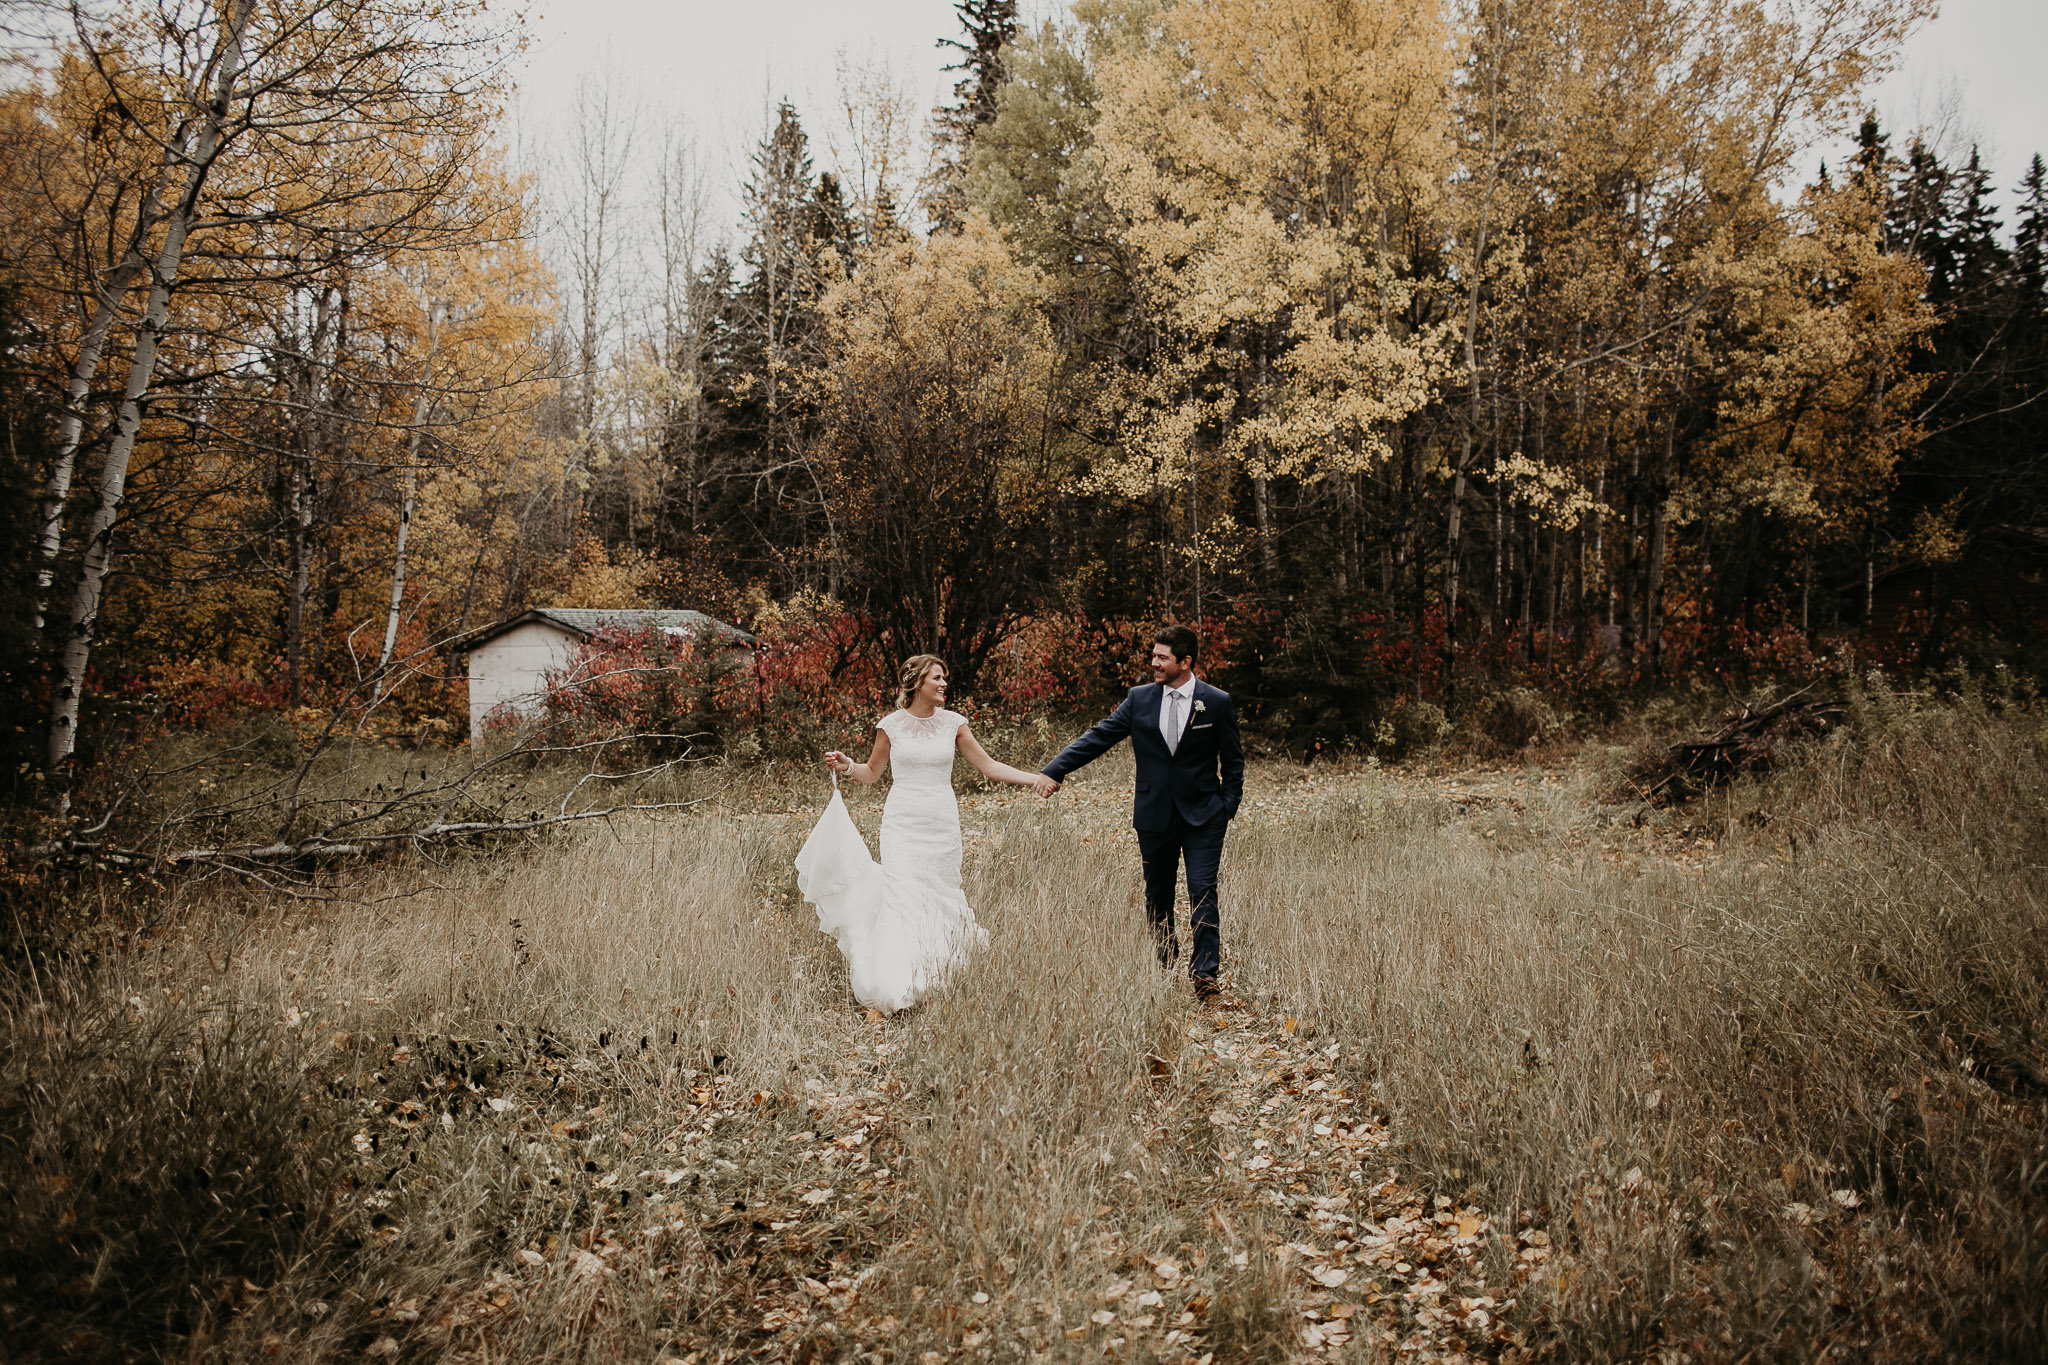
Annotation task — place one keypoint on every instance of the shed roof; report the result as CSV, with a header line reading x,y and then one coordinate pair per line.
x,y
583,622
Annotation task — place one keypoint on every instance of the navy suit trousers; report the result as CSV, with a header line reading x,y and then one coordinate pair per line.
x,y
1163,851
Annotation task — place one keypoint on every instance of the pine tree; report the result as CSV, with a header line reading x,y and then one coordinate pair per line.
x,y
831,226
1873,150
1966,483
2030,237
987,26
770,327
1919,219
1872,168
777,212
1980,262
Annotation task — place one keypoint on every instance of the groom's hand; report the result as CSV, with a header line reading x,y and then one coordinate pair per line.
x,y
1045,786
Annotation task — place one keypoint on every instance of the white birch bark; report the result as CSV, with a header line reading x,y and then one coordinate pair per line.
x,y
409,496
76,654
305,472
85,368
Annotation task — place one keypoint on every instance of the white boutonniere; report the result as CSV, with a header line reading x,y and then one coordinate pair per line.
x,y
1199,708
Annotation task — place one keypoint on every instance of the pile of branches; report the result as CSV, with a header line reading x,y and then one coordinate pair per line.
x,y
1750,739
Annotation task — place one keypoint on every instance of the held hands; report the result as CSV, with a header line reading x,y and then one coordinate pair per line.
x,y
1044,785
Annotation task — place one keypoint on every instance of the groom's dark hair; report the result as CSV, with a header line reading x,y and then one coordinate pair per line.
x,y
1179,639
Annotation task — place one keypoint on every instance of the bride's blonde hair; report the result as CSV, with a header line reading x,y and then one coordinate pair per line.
x,y
914,669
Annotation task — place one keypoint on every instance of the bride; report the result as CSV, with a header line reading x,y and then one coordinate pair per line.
x,y
904,925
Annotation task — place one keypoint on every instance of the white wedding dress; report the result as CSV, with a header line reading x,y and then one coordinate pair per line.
x,y
904,926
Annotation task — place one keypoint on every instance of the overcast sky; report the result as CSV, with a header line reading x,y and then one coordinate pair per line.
x,y
717,66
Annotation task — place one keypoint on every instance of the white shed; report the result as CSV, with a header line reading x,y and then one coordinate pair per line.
x,y
509,662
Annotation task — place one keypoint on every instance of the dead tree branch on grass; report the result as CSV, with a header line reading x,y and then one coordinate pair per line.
x,y
1750,739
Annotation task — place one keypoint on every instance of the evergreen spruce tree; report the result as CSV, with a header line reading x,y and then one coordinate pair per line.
x,y
1919,219
832,225
779,214
987,26
768,326
1980,262
1873,159
1968,494
2030,238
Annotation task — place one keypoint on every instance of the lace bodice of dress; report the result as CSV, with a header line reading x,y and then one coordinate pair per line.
x,y
921,748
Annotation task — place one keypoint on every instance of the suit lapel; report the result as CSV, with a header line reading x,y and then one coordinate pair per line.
x,y
1149,717
1195,717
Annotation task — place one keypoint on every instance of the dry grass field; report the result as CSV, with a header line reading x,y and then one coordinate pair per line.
x,y
1510,1072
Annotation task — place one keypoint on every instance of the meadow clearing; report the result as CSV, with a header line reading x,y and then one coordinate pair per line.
x,y
1514,1067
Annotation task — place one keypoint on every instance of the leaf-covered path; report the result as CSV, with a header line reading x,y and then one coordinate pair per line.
x,y
1340,1247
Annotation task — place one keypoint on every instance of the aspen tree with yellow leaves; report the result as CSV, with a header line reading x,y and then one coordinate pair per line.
x,y
1271,163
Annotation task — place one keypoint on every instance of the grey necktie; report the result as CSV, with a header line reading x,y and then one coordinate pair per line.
x,y
1173,723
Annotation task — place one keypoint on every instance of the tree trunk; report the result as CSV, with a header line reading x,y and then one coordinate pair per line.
x,y
304,480
1653,590
1455,536
1599,559
1502,551
1454,552
1163,518
1269,557
1631,559
1262,501
1806,596
1556,596
1526,588
409,495
85,367
99,550
1415,576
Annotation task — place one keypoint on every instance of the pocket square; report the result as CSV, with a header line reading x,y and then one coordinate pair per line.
x,y
1209,726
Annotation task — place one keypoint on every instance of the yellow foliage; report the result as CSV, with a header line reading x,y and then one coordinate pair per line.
x,y
1267,160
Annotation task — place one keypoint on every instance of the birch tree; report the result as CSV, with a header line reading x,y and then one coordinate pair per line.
x,y
221,77
288,126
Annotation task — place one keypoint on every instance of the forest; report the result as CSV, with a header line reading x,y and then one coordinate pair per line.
x,y
1603,460
1421,355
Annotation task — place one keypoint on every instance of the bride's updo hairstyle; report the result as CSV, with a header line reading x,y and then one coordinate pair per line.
x,y
914,669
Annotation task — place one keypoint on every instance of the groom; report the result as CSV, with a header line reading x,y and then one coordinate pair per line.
x,y
1183,732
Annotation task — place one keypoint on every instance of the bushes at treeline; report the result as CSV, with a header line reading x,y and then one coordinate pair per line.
x,y
809,682
1306,686
1310,682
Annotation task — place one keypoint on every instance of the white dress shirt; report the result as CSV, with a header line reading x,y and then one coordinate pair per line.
x,y
1176,708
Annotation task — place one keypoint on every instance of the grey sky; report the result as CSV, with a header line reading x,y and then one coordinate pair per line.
x,y
1974,75
717,66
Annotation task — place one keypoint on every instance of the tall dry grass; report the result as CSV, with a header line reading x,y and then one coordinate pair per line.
x,y
1786,1104
1789,1104
596,993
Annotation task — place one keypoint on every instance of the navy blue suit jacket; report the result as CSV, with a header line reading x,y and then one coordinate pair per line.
x,y
1203,779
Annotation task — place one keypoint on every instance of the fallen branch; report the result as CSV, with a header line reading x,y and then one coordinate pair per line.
x,y
1751,738
241,857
